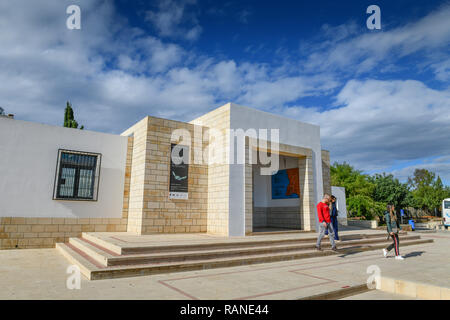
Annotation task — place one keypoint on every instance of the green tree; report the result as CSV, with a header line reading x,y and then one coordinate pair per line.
x,y
411,201
354,182
367,196
420,178
428,190
389,190
69,119
359,191
342,173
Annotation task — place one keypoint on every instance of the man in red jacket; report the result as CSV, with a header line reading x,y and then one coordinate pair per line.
x,y
323,211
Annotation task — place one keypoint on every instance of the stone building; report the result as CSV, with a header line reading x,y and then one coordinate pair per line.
x,y
241,171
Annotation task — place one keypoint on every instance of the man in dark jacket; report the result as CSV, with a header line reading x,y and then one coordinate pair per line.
x,y
334,219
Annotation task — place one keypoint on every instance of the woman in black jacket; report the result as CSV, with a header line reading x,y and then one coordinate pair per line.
x,y
393,228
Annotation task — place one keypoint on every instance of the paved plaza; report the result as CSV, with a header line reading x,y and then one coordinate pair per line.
x,y
41,274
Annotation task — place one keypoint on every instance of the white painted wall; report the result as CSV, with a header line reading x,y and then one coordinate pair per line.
x,y
28,158
339,193
292,132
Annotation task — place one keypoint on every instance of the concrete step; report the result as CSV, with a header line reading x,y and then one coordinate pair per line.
x,y
247,243
106,245
95,252
85,263
107,259
93,270
264,233
340,293
376,295
425,230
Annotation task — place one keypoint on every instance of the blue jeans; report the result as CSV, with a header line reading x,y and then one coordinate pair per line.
x,y
334,223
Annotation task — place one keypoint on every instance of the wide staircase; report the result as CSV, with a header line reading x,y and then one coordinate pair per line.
x,y
100,258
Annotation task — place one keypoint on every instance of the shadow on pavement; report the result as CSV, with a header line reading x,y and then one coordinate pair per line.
x,y
350,251
408,255
413,254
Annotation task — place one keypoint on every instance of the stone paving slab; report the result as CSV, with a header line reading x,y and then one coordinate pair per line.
x,y
431,262
41,274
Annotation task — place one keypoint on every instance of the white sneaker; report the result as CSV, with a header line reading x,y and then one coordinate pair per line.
x,y
399,258
385,252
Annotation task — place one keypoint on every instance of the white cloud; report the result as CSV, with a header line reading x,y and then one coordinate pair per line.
x,y
279,91
378,123
442,70
242,16
171,17
365,52
441,169
443,159
149,55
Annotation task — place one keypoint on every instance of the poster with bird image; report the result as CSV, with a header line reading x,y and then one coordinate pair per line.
x,y
179,170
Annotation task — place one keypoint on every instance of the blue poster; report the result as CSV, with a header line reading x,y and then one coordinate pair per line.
x,y
285,184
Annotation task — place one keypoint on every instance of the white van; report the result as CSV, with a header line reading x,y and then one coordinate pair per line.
x,y
446,212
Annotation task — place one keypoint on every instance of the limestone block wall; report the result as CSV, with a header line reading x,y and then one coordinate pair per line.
x,y
218,173
284,217
277,217
126,191
370,224
326,178
259,217
29,233
150,209
249,202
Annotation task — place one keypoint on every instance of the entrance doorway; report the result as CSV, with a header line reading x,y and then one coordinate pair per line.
x,y
276,198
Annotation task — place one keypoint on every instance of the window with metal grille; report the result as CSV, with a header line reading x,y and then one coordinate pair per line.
x,y
77,175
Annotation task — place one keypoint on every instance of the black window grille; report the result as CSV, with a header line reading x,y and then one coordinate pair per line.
x,y
77,175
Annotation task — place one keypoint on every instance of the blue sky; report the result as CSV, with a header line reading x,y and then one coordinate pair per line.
x,y
381,97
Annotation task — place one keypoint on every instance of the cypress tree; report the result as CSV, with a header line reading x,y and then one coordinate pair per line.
x,y
69,119
66,115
